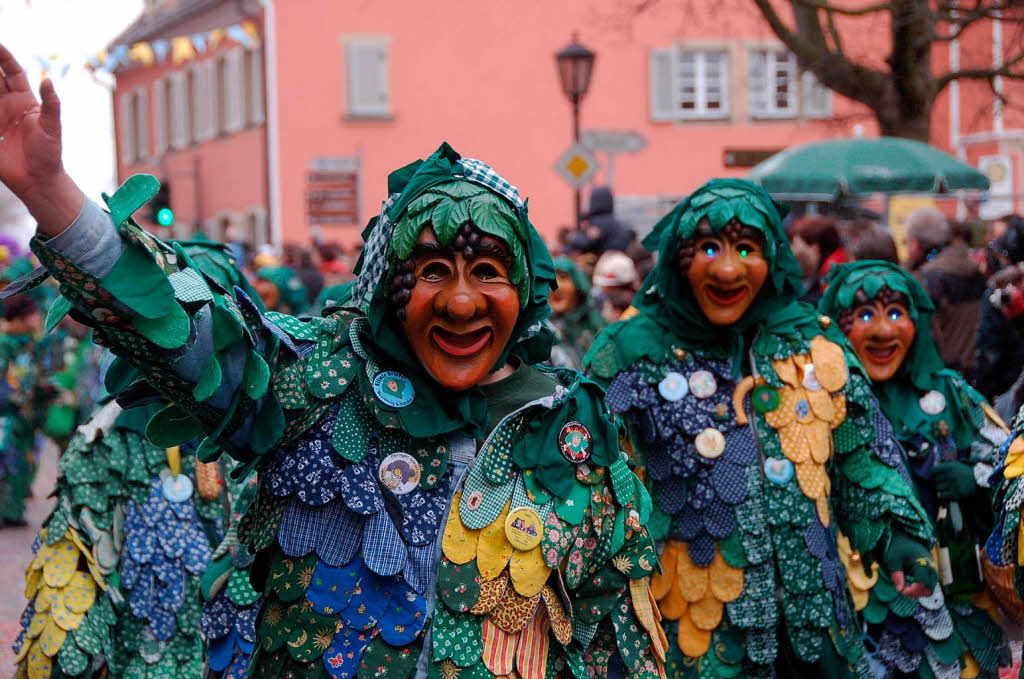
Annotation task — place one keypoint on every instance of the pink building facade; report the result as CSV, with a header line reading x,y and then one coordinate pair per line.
x,y
302,143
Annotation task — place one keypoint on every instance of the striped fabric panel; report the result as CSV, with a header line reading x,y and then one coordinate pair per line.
x,y
532,656
499,648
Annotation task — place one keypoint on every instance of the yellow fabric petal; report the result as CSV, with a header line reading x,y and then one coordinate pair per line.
x,y
824,515
693,642
787,371
706,613
39,665
61,566
673,605
794,444
458,543
37,624
726,581
839,402
80,593
821,404
661,582
33,578
811,477
819,440
693,579
785,412
65,619
528,571
52,638
829,363
493,550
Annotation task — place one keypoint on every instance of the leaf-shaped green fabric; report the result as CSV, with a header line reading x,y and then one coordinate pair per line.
x,y
209,380
172,426
257,376
137,190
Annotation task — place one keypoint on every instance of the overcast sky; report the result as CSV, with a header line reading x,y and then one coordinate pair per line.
x,y
71,30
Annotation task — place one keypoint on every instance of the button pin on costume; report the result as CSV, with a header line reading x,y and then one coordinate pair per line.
x,y
950,443
769,458
452,293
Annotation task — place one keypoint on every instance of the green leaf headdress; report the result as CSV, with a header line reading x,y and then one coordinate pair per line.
x,y
445,192
666,296
922,370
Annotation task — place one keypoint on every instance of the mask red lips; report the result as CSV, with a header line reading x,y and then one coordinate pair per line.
x,y
461,344
882,353
726,296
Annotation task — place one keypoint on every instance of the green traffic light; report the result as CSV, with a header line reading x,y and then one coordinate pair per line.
x,y
165,216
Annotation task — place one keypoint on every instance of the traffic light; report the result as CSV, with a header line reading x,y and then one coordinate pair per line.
x,y
160,211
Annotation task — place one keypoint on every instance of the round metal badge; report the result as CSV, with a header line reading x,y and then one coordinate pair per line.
x,y
703,384
400,473
574,442
710,443
177,489
673,387
523,528
393,389
933,402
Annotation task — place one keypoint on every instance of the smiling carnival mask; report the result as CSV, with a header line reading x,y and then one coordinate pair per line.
x,y
462,279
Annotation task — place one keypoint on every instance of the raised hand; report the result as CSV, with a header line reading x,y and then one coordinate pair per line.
x,y
30,148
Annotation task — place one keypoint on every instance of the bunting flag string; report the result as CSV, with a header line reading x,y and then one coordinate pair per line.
x,y
177,50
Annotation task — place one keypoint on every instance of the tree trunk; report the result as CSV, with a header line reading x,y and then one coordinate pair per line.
x,y
917,127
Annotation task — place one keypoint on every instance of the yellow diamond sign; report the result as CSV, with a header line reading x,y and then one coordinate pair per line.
x,y
577,165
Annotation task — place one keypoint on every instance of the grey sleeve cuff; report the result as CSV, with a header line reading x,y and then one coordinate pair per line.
x,y
91,242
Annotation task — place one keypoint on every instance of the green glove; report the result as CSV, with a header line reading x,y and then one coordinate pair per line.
x,y
954,480
910,563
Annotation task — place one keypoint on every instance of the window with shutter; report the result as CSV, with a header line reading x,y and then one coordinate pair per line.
x,y
220,88
662,85
141,124
236,86
126,126
815,97
368,77
771,82
254,81
160,115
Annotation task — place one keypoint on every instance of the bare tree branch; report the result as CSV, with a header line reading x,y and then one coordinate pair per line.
x,y
845,11
982,73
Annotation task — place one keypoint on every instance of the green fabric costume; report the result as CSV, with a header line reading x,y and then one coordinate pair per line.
x,y
127,547
576,329
23,399
385,537
756,481
942,425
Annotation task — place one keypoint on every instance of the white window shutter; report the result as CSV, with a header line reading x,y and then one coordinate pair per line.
x,y
159,109
179,96
126,126
785,83
209,99
261,236
662,90
235,93
198,103
368,78
256,114
757,83
817,99
142,120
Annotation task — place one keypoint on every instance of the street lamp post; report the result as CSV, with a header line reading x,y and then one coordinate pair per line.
x,y
575,65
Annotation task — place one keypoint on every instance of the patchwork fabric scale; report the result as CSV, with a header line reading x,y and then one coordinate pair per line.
x,y
114,587
744,478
